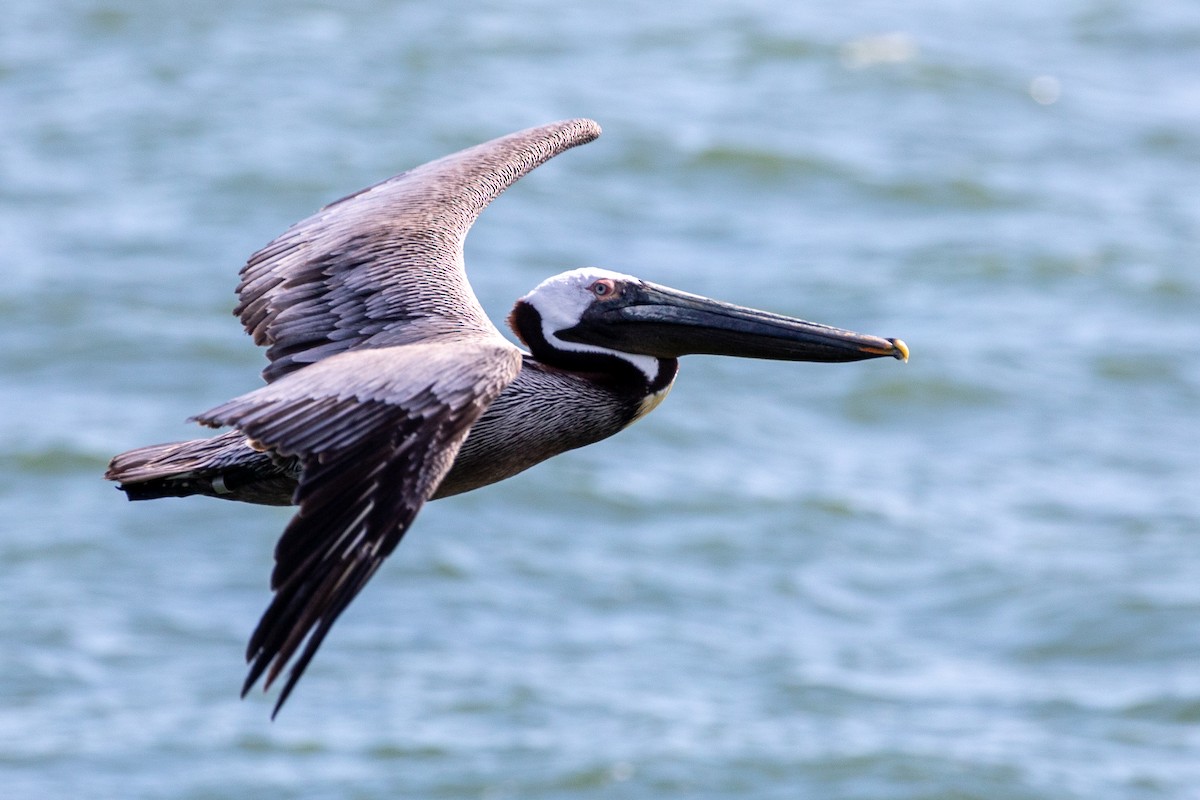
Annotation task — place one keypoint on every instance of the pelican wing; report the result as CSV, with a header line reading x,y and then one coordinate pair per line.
x,y
384,266
376,430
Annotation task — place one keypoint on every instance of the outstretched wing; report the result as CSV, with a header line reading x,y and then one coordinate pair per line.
x,y
376,431
370,296
384,266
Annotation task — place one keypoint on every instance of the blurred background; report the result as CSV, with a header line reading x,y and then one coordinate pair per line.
x,y
973,576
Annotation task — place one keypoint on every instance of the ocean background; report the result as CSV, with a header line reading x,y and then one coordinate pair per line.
x,y
976,575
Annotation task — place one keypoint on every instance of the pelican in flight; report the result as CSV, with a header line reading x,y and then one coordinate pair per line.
x,y
388,386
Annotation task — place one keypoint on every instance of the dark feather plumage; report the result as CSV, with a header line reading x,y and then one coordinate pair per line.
x,y
375,431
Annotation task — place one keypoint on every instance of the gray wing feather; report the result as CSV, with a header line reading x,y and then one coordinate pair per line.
x,y
384,266
376,430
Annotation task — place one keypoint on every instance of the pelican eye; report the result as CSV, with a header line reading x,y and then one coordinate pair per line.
x,y
603,288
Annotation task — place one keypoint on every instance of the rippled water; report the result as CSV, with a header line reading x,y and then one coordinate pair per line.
x,y
973,576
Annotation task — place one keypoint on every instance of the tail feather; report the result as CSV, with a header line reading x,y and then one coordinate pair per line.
x,y
224,466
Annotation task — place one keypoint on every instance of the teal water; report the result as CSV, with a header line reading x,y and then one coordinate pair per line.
x,y
973,576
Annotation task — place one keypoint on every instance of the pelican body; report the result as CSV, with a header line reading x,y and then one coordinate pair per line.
x,y
388,386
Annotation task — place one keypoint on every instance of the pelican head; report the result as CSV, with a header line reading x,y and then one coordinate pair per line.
x,y
596,311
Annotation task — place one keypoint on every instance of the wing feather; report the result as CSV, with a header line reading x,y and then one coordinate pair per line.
x,y
370,296
384,266
375,430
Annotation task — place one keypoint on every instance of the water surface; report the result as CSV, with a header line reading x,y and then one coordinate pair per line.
x,y
973,576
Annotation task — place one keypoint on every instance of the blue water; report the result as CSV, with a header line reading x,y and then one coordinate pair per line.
x,y
976,575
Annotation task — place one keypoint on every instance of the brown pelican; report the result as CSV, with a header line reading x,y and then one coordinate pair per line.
x,y
388,386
